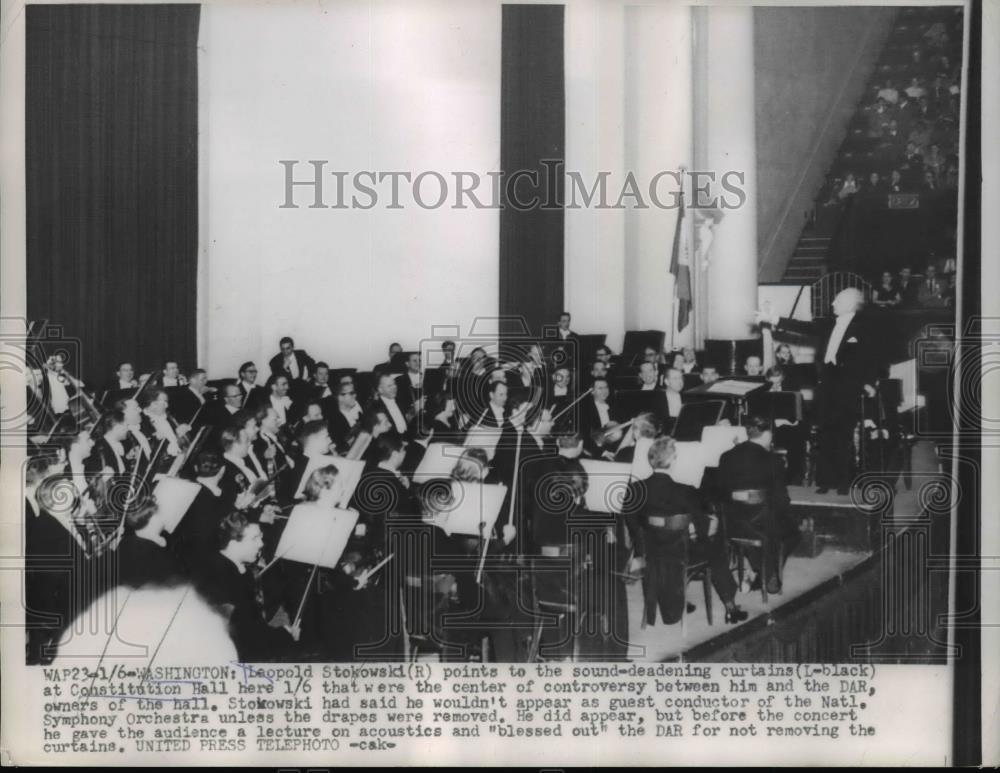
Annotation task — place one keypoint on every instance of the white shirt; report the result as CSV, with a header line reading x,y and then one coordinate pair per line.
x,y
564,334
280,405
119,451
673,402
395,414
292,366
559,391
836,336
497,414
170,381
255,464
351,414
272,440
57,393
603,414
163,428
142,440
326,392
689,366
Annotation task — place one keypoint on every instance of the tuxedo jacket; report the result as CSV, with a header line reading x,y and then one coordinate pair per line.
x,y
216,415
258,394
195,539
103,455
750,466
406,394
306,365
221,583
592,422
141,562
378,406
660,495
340,429
856,364
233,482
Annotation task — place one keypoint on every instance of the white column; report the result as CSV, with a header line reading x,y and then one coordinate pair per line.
x,y
724,74
657,139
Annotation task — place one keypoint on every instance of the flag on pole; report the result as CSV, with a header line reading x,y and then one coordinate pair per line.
x,y
680,267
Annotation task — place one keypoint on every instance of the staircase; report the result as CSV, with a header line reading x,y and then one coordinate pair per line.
x,y
808,262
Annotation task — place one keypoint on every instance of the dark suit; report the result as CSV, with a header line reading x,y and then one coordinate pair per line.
x,y
195,539
664,581
592,423
103,455
185,405
306,365
217,415
221,583
340,429
142,562
750,466
54,563
838,397
257,395
379,495
406,394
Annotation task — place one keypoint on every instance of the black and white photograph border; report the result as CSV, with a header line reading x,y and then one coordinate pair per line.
x,y
471,333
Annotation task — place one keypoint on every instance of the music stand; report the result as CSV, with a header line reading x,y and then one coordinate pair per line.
x,y
694,417
776,405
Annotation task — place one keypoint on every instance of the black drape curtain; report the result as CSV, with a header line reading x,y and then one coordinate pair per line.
x,y
112,181
532,131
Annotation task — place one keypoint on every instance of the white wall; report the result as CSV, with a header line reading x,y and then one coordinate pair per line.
x,y
386,86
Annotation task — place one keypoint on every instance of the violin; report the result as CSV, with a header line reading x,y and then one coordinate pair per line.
x,y
605,436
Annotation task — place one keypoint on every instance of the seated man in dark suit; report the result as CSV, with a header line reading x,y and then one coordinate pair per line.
x,y
385,402
410,386
647,507
143,557
251,393
220,413
752,482
394,364
193,542
383,491
227,581
344,417
187,404
291,362
599,413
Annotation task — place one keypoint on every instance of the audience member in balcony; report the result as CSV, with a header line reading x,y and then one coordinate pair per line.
x,y
930,292
929,183
879,118
889,93
925,112
849,188
905,112
896,184
934,160
920,138
875,191
907,287
918,65
915,90
912,166
887,293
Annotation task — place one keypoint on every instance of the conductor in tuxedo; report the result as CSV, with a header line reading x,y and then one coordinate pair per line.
x,y
847,370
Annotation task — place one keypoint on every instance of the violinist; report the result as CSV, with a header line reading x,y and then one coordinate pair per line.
x,y
495,414
599,415
560,394
383,491
109,450
227,580
238,476
393,364
58,386
188,404
313,411
247,422
162,424
269,447
137,442
344,420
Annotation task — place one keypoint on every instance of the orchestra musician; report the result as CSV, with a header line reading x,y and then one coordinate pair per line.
x,y
495,414
320,388
187,404
383,491
293,363
227,580
194,540
689,363
109,450
345,418
789,434
161,424
142,554
393,364
58,386
440,418
674,379
709,374
276,390
219,413
124,378
648,503
410,386
599,413
171,375
385,402
238,477
251,393
560,395
752,467
50,538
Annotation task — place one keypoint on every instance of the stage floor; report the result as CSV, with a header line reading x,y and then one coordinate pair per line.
x,y
661,642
